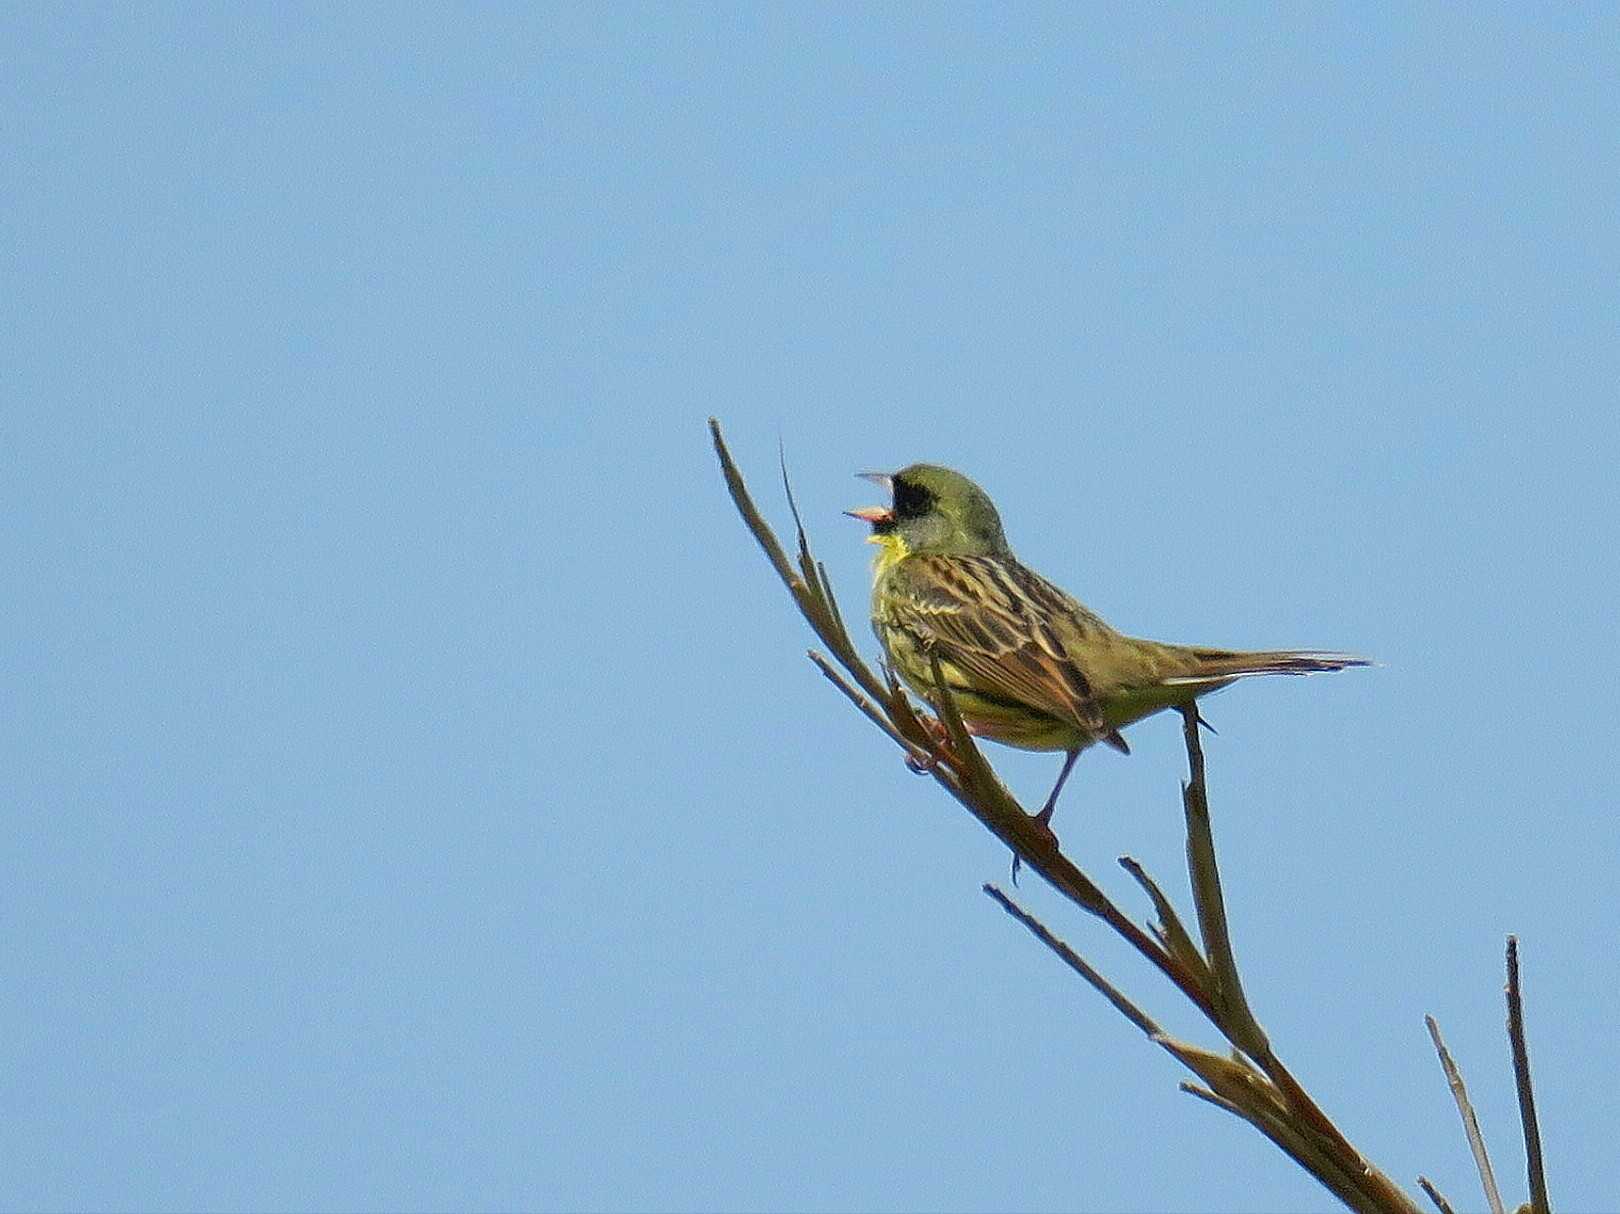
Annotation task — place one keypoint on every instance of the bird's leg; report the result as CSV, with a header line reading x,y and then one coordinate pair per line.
x,y
1045,815
1044,818
940,739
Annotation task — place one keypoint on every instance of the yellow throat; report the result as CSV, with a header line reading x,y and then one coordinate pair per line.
x,y
891,551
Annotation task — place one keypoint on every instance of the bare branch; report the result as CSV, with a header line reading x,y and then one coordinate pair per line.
x,y
1234,1017
1521,1079
1075,962
1289,1138
1220,1102
1172,933
868,709
1435,1196
745,507
1206,885
1476,1140
975,767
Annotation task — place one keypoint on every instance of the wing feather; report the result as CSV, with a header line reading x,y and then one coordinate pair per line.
x,y
994,620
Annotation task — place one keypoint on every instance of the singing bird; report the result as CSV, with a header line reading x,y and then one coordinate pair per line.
x,y
1026,664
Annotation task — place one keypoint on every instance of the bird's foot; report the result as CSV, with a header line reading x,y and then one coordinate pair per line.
x,y
939,745
1042,823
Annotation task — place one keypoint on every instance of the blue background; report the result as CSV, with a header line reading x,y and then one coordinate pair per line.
x,y
415,791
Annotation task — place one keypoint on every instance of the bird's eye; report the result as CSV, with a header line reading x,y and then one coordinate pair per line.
x,y
911,500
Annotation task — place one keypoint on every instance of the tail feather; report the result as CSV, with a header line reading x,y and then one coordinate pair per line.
x,y
1219,665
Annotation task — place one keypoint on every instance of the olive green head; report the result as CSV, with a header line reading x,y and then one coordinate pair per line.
x,y
935,510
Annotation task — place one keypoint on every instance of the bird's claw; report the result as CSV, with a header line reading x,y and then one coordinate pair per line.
x,y
922,767
939,743
1042,822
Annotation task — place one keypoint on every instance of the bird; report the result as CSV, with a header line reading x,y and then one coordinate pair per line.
x,y
1025,663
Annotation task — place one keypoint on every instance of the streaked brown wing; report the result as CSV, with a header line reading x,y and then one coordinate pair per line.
x,y
992,618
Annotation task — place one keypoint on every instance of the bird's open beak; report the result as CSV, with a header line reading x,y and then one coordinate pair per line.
x,y
876,515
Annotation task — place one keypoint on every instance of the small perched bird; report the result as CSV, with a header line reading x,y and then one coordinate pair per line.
x,y
1026,664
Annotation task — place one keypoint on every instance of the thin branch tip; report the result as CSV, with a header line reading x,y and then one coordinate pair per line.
x,y
1534,1166
1465,1109
1435,1195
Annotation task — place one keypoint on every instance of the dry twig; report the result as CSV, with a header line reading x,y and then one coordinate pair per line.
x,y
1465,1107
1521,1080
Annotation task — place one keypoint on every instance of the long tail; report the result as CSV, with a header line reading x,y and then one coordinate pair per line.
x,y
1219,665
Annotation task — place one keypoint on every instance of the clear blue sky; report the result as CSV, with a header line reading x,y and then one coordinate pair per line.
x,y
415,791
